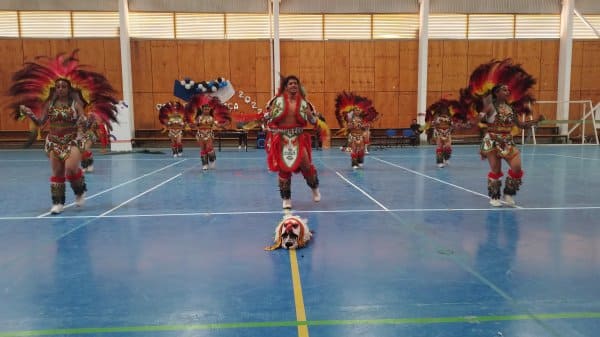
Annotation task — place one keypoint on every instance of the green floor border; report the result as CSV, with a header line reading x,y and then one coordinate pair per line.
x,y
389,321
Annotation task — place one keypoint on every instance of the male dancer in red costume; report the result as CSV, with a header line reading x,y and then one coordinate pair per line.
x,y
288,146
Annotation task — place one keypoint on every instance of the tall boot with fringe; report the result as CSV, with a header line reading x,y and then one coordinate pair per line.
x,y
511,186
78,186
212,158
57,192
312,180
494,184
285,190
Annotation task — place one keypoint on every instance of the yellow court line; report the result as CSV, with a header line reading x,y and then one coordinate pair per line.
x,y
298,299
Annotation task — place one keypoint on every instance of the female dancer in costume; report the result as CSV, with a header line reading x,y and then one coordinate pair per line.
x,y
52,91
444,116
499,91
207,113
171,116
354,114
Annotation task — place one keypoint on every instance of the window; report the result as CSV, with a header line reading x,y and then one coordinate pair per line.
x,y
95,24
301,27
395,26
491,26
247,26
537,27
9,24
347,27
151,25
448,26
582,31
199,26
47,24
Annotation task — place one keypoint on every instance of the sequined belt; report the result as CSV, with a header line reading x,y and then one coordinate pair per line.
x,y
288,132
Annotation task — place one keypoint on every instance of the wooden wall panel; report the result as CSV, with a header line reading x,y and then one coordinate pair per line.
x,y
386,103
504,49
329,109
11,61
311,65
435,65
112,64
548,110
263,70
548,79
146,115
454,67
91,53
576,65
480,52
407,109
590,66
409,65
318,100
262,98
290,61
33,48
190,57
141,66
362,68
337,66
164,65
529,55
62,46
387,65
242,65
432,97
216,59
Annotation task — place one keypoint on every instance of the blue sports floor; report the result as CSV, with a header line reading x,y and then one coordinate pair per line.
x,y
400,248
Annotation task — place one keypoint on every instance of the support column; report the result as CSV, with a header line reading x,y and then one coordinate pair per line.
x,y
422,63
564,64
124,130
276,52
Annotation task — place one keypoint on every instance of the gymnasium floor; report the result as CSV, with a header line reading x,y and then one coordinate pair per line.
x,y
400,248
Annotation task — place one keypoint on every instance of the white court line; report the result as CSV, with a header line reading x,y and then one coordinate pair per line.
x,y
114,208
395,210
139,195
430,177
574,157
438,180
120,185
362,191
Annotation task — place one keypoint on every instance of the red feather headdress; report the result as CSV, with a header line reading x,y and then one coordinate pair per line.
x,y
169,110
455,109
34,84
346,102
219,111
499,72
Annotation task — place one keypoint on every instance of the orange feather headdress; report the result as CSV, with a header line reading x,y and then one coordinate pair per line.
x,y
488,76
34,84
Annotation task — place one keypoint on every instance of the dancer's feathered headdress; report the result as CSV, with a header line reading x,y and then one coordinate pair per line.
x,y
499,72
454,109
347,102
219,110
169,110
34,85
